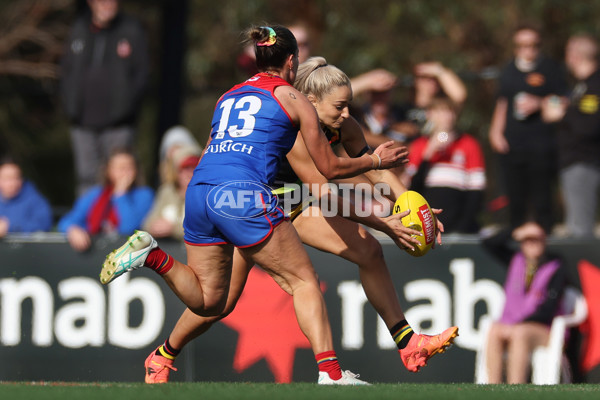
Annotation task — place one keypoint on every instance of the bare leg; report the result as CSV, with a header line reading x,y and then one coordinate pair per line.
x,y
334,235
347,239
497,337
203,284
284,258
523,339
190,325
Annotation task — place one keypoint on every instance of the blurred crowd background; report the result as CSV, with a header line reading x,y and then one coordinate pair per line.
x,y
194,49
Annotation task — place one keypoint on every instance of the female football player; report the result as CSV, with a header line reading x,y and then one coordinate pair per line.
x,y
329,91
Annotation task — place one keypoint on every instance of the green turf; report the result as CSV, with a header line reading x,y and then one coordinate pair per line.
x,y
268,391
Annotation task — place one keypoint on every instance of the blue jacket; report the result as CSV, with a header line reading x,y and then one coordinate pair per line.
x,y
28,212
131,208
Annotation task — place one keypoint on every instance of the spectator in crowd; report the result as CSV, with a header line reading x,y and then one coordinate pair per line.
x,y
431,80
302,33
166,216
173,138
534,286
384,120
447,168
525,143
22,208
376,79
118,206
104,72
579,136
246,61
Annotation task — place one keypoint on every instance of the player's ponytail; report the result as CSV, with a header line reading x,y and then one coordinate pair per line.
x,y
317,78
272,45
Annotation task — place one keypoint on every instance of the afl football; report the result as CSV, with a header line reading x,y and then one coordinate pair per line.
x,y
421,218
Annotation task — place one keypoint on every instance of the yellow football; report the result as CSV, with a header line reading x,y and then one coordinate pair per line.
x,y
421,218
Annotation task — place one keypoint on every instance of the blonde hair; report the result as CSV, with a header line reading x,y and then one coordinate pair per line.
x,y
318,78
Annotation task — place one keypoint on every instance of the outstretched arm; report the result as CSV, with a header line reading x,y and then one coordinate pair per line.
x,y
378,80
354,143
308,173
328,164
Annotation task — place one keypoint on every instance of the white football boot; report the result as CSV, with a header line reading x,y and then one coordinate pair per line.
x,y
128,257
348,378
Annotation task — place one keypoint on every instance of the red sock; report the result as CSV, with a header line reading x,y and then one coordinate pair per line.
x,y
159,261
327,362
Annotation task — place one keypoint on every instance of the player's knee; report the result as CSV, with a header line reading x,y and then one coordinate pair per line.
x,y
369,250
228,310
210,308
303,281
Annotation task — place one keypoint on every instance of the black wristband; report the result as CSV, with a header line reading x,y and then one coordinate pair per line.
x,y
363,151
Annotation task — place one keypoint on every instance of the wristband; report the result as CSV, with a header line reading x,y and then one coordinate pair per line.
x,y
363,151
378,158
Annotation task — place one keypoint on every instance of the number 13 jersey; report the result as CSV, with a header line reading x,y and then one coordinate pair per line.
x,y
251,133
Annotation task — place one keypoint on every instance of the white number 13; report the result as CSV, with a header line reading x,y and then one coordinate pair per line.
x,y
254,105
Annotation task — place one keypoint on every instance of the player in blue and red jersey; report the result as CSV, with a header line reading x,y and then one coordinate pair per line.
x,y
229,202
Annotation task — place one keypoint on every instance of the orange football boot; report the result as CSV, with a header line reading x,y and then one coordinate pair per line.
x,y
158,368
421,348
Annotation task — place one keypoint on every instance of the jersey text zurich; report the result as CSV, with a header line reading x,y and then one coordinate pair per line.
x,y
229,145
251,133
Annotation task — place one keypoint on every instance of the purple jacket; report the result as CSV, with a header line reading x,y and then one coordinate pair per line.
x,y
521,303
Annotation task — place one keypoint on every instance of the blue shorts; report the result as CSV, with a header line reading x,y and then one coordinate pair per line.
x,y
239,213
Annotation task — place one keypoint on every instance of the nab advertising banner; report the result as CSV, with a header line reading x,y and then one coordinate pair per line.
x,y
58,323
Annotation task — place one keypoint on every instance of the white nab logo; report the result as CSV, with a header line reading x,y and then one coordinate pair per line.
x,y
86,316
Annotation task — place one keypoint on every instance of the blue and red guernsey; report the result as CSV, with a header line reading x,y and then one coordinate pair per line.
x,y
251,133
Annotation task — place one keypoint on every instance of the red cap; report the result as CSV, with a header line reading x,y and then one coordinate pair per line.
x,y
189,161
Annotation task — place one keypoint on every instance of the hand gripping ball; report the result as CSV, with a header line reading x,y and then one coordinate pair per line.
x,y
421,218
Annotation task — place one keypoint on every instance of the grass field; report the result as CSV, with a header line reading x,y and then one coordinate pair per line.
x,y
268,391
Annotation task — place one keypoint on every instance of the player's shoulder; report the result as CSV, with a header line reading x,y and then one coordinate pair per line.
x,y
290,98
266,81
